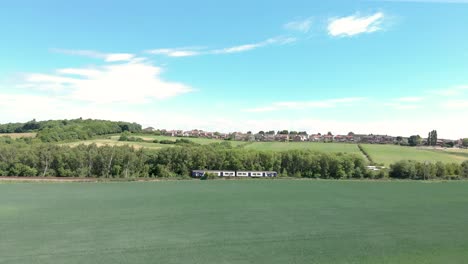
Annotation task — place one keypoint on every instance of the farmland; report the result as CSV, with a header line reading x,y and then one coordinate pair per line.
x,y
256,221
323,147
114,141
388,154
385,154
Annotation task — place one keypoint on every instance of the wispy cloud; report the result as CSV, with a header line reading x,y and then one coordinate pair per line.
x,y
453,91
329,103
108,57
355,24
179,52
455,104
299,25
405,103
189,52
247,47
409,99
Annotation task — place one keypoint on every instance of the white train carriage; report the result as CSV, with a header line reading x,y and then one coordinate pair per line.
x,y
256,174
243,174
228,174
201,173
219,173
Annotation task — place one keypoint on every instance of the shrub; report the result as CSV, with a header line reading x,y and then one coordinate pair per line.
x,y
209,176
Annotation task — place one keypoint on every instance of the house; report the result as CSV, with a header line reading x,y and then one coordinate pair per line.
x,y
239,136
341,138
149,129
282,137
315,137
300,138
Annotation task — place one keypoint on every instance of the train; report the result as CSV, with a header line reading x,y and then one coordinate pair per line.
x,y
227,173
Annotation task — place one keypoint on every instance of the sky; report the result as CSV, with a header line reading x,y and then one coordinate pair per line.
x,y
383,67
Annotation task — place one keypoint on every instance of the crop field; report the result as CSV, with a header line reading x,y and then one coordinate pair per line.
x,y
234,221
388,154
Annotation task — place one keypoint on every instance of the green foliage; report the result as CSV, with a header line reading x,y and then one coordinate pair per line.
x,y
465,142
209,176
408,169
75,129
432,138
414,141
464,169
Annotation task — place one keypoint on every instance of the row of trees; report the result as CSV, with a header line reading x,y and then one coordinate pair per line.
x,y
19,158
416,170
75,129
23,158
432,138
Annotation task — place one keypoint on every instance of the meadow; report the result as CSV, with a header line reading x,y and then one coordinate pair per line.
x,y
250,221
388,154
114,141
315,146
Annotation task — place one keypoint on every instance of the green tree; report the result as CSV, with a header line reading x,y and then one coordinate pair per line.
x,y
414,140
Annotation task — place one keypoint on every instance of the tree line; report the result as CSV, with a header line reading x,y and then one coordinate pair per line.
x,y
23,157
74,129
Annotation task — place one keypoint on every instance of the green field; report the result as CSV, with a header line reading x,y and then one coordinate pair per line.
x,y
388,154
385,154
114,141
323,147
249,221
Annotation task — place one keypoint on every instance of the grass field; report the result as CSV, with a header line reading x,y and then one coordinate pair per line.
x,y
388,154
250,221
114,141
323,147
18,135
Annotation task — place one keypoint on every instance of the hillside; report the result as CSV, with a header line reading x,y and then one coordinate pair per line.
x,y
74,129
382,154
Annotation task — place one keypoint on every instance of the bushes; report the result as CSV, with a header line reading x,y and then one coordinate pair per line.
x,y
415,170
60,130
209,176
166,141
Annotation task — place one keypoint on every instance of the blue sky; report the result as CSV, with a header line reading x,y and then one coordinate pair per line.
x,y
391,67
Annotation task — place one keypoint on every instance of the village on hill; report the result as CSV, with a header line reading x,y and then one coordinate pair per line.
x,y
302,136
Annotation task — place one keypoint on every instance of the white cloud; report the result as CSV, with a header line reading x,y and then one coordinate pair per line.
x,y
189,52
330,103
299,25
176,52
19,107
119,57
455,104
109,57
410,99
354,25
453,91
405,103
247,47
127,82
